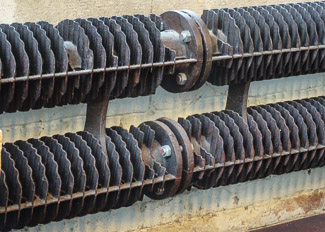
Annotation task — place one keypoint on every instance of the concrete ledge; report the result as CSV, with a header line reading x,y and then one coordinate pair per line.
x,y
253,216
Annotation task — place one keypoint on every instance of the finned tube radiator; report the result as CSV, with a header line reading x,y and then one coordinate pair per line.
x,y
84,60
69,175
96,60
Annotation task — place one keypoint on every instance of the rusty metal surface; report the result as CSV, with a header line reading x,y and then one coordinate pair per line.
x,y
42,57
70,175
99,59
88,60
61,63
19,91
35,64
237,98
79,86
271,32
176,22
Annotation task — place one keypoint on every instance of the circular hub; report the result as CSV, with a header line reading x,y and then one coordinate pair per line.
x,y
164,137
187,152
194,42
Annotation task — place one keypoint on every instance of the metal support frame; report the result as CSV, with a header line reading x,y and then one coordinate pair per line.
x,y
237,99
96,120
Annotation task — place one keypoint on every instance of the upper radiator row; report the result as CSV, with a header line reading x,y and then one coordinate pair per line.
x,y
84,60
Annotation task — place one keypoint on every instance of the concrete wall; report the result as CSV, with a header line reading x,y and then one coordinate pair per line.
x,y
133,111
216,203
56,10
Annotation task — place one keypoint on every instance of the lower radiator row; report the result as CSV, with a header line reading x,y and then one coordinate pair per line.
x,y
65,176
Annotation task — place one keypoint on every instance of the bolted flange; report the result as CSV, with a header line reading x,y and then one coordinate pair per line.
x,y
173,163
186,34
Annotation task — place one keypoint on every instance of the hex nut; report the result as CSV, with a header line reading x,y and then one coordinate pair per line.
x,y
186,36
165,151
181,78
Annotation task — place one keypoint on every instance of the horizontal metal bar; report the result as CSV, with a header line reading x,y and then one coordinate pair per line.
x,y
98,70
51,200
153,65
265,157
99,191
272,52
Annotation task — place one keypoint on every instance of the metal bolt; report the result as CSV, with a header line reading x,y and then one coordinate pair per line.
x,y
165,151
186,36
162,26
160,191
181,78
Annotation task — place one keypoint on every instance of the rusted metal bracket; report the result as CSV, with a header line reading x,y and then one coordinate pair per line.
x,y
96,120
237,99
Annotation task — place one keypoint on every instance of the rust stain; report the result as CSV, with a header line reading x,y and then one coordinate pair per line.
x,y
276,211
310,202
307,203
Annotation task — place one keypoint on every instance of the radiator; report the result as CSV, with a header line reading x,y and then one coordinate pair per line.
x,y
97,60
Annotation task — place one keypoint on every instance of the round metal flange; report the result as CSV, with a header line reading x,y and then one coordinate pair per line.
x,y
207,49
181,23
187,152
173,163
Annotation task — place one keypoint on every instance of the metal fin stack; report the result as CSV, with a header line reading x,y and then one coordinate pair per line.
x,y
45,66
264,42
69,175
96,60
88,60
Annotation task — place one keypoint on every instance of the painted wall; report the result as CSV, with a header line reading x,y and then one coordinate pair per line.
x,y
133,111
56,10
126,112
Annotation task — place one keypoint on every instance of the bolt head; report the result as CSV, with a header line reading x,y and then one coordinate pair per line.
x,y
181,78
160,191
186,36
165,151
162,26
